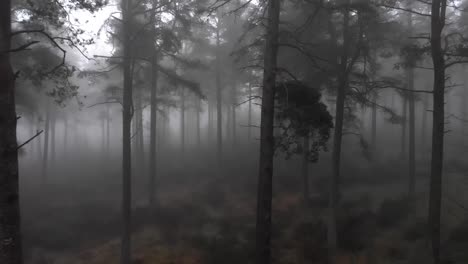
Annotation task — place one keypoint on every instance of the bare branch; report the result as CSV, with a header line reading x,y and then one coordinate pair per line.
x,y
29,140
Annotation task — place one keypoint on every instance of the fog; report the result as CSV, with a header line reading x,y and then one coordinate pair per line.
x,y
193,132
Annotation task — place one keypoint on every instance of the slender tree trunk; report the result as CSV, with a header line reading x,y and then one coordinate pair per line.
x,y
249,131
219,109
53,122
65,135
424,127
39,141
403,128
234,116
412,121
198,110
45,156
126,133
464,111
265,177
305,167
10,233
139,149
337,140
152,161
182,122
108,120
435,197
412,139
103,136
374,125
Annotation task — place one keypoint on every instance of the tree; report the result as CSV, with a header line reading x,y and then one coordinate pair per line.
x,y
438,12
264,191
127,113
10,231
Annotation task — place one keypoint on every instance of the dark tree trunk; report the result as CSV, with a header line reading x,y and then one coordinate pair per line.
x,y
265,177
153,115
423,128
249,131
65,135
412,139
53,122
198,110
435,197
182,122
45,156
234,116
403,128
108,120
126,133
305,167
412,121
374,126
219,109
337,140
10,234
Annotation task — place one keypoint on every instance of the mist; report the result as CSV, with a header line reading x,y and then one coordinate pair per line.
x,y
219,131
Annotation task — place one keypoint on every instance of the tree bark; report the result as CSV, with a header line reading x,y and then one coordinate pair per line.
x,y
219,109
198,110
234,116
182,122
53,122
412,120
403,128
45,156
249,131
108,120
438,11
126,133
265,177
374,126
305,167
423,129
337,141
153,113
65,136
10,233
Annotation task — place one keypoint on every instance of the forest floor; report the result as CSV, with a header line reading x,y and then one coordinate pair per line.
x,y
208,222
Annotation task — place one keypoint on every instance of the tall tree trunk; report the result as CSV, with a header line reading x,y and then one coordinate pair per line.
x,y
108,120
464,110
103,136
265,177
234,116
45,156
65,135
126,133
435,197
305,167
249,131
412,120
39,141
219,109
182,122
423,128
374,126
139,150
403,128
412,139
337,140
198,110
10,234
53,122
153,116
